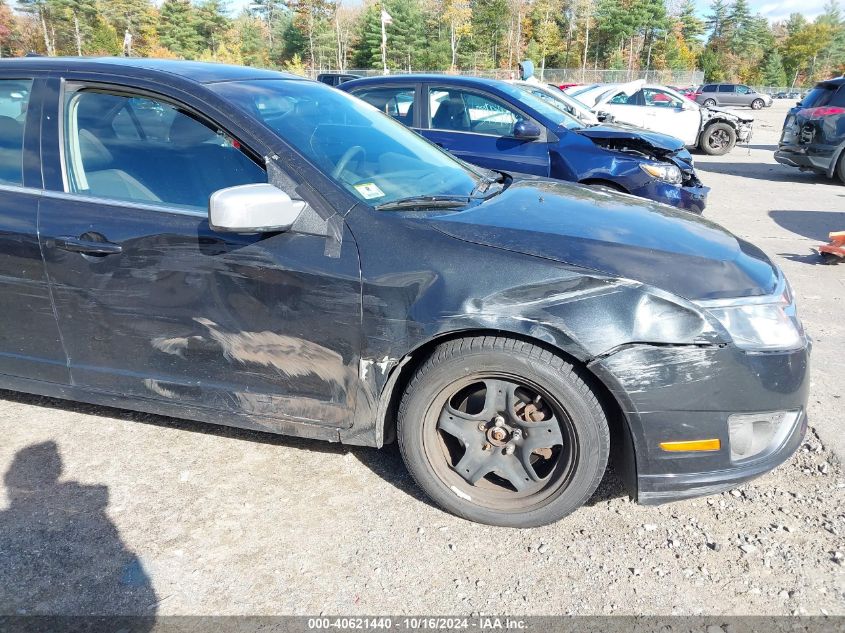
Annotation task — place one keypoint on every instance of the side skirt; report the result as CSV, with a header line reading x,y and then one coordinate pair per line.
x,y
175,410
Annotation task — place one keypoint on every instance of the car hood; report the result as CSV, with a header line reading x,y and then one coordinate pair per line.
x,y
733,113
613,132
615,234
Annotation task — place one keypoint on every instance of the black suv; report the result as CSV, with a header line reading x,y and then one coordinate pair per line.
x,y
813,136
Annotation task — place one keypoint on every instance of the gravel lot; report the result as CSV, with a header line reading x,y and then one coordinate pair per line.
x,y
109,511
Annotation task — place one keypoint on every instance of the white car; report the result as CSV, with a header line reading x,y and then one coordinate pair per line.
x,y
560,100
713,130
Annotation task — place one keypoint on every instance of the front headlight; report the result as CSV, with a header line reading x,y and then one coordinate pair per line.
x,y
760,323
663,171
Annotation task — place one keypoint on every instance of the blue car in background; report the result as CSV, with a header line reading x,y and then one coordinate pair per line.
x,y
500,126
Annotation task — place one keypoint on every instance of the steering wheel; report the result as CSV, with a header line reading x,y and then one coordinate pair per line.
x,y
348,155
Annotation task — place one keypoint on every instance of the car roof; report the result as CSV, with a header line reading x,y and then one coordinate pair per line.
x,y
198,72
427,77
831,83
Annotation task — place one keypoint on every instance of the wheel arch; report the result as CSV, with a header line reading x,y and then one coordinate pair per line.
x,y
622,439
838,155
604,182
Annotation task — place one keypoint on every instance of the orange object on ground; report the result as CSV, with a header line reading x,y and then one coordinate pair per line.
x,y
836,245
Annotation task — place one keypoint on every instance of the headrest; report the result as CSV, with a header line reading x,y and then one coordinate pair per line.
x,y
187,131
11,133
95,155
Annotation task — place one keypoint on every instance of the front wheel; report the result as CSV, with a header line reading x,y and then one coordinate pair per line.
x,y
502,432
717,139
757,104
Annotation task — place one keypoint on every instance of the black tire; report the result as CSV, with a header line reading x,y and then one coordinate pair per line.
x,y
840,168
757,104
709,103
562,477
717,139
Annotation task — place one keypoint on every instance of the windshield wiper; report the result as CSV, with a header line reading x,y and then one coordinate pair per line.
x,y
484,184
424,201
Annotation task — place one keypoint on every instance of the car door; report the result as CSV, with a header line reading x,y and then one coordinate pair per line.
x,y
30,345
744,95
478,127
670,114
153,304
625,108
727,94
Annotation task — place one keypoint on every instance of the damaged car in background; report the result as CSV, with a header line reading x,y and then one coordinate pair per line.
x,y
713,130
319,270
500,126
813,137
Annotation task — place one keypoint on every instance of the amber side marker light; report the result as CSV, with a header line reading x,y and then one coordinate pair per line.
x,y
692,445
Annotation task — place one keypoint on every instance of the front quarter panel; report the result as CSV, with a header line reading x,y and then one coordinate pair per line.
x,y
421,285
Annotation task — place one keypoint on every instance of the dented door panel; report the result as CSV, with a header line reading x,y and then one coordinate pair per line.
x,y
262,325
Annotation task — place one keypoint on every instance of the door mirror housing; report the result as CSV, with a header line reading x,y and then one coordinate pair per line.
x,y
526,130
253,208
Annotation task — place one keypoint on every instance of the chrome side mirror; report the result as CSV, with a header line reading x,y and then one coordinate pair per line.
x,y
255,208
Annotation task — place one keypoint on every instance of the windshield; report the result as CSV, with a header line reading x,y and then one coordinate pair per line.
x,y
540,106
375,158
559,104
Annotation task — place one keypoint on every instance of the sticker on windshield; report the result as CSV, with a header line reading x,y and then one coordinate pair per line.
x,y
369,190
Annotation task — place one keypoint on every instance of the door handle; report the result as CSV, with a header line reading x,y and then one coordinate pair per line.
x,y
88,244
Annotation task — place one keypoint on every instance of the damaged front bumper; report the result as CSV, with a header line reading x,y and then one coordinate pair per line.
x,y
688,393
690,196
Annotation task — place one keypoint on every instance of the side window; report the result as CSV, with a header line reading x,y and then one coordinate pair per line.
x,y
660,99
839,97
635,99
145,150
14,99
396,102
726,88
463,111
743,90
709,88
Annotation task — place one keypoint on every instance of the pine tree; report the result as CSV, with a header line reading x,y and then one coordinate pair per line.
x,y
716,21
691,25
773,73
178,28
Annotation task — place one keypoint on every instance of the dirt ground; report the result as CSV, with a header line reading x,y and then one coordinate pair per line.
x,y
107,511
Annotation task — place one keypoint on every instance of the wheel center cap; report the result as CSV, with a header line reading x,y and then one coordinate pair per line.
x,y
499,435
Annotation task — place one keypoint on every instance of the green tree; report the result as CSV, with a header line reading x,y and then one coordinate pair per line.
x,y
178,29
691,25
773,73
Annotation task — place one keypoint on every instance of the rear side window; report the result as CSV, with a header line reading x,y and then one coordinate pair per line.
x,y
709,88
839,97
397,102
144,150
14,99
726,88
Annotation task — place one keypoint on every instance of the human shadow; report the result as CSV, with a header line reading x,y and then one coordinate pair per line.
x,y
60,554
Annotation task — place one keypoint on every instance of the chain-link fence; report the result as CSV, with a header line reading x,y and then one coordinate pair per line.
x,y
680,78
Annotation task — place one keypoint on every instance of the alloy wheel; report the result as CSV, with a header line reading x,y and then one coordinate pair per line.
x,y
500,441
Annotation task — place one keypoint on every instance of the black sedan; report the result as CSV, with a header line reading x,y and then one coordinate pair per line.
x,y
245,247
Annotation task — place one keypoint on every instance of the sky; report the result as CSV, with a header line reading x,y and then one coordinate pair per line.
x,y
773,9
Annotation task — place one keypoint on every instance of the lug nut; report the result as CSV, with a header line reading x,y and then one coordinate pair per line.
x,y
482,426
486,447
516,434
507,450
499,421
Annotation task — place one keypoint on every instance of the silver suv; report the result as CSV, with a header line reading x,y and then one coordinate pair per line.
x,y
732,95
